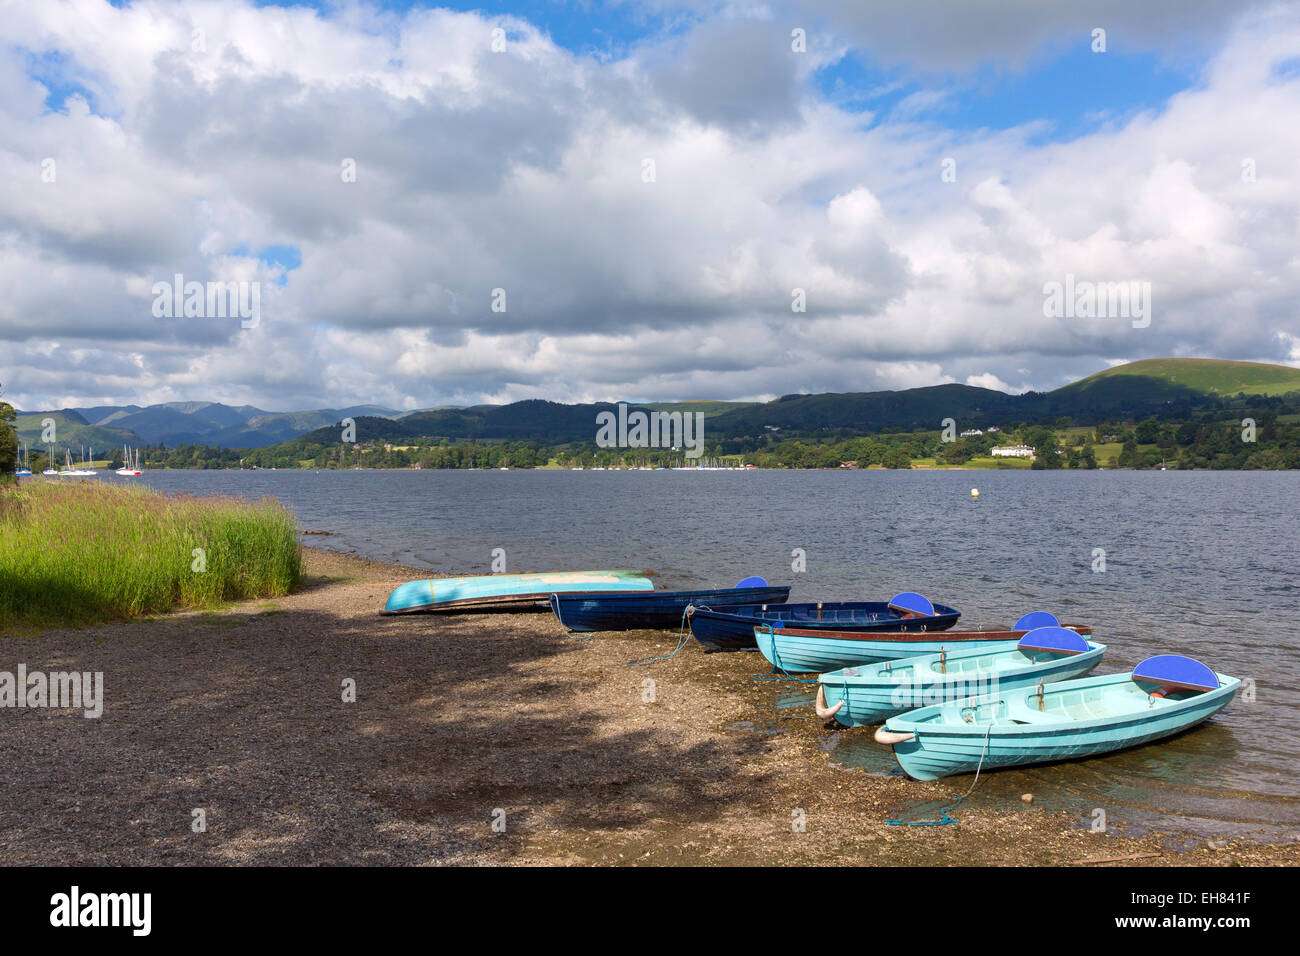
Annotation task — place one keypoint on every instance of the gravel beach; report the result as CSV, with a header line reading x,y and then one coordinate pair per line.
x,y
473,739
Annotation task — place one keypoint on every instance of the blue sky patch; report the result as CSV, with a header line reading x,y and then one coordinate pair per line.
x,y
61,77
286,257
590,27
1075,92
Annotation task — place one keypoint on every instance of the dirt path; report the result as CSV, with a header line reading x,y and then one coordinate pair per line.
x,y
459,722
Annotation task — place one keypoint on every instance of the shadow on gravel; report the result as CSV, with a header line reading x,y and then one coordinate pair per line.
x,y
248,725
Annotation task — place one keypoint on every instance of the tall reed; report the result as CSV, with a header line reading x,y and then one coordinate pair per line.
x,y
76,552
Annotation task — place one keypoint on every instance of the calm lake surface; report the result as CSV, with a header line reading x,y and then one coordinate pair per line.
x,y
1200,563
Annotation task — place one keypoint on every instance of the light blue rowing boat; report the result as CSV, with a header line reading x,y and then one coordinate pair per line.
x,y
1076,718
497,590
868,693
800,649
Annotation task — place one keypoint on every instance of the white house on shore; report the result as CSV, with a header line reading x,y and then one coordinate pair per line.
x,y
1013,451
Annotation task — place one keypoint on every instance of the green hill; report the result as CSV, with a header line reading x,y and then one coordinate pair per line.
x,y
529,420
1206,376
704,406
72,431
869,412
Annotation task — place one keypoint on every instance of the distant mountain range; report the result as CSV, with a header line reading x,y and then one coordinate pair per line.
x,y
184,423
1166,388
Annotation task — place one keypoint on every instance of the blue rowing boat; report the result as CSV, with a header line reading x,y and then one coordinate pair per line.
x,y
1162,696
806,649
500,590
655,610
868,693
730,627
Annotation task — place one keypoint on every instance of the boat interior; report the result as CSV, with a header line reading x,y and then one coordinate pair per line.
x,y
965,664
835,613
1050,704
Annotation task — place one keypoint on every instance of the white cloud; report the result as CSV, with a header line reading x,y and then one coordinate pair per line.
x,y
947,35
523,170
988,380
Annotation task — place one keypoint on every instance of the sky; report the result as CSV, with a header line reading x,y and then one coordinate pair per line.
x,y
631,199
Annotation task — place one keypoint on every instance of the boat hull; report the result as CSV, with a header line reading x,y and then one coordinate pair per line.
x,y
504,590
942,744
807,650
868,694
731,627
661,610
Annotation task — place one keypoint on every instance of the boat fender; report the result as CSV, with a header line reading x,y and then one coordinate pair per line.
x,y
824,712
890,737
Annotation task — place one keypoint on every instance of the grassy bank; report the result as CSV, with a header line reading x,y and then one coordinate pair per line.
x,y
82,552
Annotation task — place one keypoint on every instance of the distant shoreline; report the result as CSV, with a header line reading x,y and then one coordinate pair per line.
x,y
870,468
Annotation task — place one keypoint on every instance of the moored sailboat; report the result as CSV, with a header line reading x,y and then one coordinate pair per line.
x,y
69,471
132,468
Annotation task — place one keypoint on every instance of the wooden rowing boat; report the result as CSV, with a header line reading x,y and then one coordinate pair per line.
x,y
730,627
807,649
869,693
1162,696
656,610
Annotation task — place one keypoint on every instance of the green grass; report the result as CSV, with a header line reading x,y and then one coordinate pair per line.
x,y
81,553
1005,464
1106,453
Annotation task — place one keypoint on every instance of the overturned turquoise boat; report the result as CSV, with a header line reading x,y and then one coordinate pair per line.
x,y
1162,696
503,590
869,693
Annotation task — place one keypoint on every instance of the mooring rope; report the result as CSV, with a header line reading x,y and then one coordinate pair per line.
x,y
945,819
778,669
572,635
683,638
777,674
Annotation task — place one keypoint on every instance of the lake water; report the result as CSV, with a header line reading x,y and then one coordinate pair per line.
x,y
1200,563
